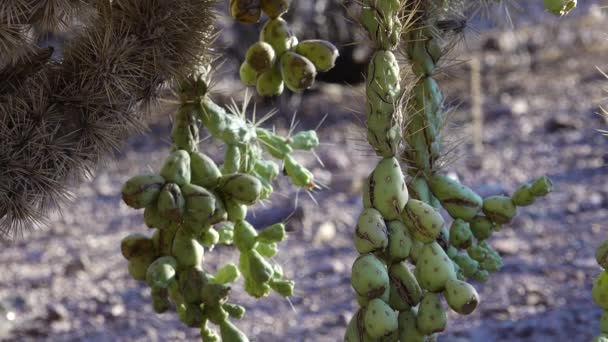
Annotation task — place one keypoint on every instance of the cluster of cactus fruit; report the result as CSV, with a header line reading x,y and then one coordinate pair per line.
x,y
401,227
278,59
193,204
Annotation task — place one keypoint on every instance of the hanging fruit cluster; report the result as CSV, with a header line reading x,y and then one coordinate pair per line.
x,y
193,204
278,59
410,261
600,289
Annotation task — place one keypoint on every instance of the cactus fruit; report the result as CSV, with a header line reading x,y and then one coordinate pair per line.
x,y
298,72
461,234
423,221
204,171
277,33
247,74
460,201
379,319
321,53
600,290
499,209
408,330
371,233
399,241
432,316
171,202
405,284
270,82
246,11
176,168
387,190
369,276
141,191
260,56
275,8
461,296
434,268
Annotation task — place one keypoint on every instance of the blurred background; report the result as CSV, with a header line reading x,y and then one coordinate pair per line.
x,y
542,93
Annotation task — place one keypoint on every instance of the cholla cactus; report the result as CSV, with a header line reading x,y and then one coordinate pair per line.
x,y
59,118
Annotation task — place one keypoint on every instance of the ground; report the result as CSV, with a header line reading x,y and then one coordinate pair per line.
x,y
542,94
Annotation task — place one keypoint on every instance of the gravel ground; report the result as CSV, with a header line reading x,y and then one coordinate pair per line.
x,y
542,93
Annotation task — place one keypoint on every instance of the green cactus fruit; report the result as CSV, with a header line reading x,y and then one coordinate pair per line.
x,y
154,219
270,83
160,300
451,251
161,272
419,189
460,201
227,274
604,322
387,191
560,7
260,270
482,227
297,71
260,56
255,289
461,296
371,233
434,268
355,330
200,203
405,283
282,287
205,172
234,310
187,250
272,234
267,169
230,333
423,221
267,250
386,297
244,236
499,209
142,191
417,246
209,238
460,234
298,174
247,74
399,241
379,319
408,331
276,145
481,275
171,202
162,239
190,282
523,196
541,187
232,160
176,168
138,266
601,254
468,265
304,141
369,276
383,76
600,290
134,245
275,8
242,188
220,214
246,11
321,53
236,212
432,316
488,258
193,316
277,33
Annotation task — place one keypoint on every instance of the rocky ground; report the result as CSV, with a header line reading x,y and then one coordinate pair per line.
x,y
542,92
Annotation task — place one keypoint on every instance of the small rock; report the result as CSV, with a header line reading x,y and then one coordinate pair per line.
x,y
325,233
506,246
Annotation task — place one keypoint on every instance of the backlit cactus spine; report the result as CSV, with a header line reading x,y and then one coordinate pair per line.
x,y
278,59
193,204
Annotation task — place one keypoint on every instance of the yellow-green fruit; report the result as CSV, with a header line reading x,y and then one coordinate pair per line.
x,y
399,241
560,7
154,219
270,83
408,331
601,254
423,221
523,196
200,203
136,245
205,172
355,331
171,202
419,189
499,209
272,234
247,74
460,201
260,270
236,212
461,296
604,322
220,210
379,319
321,53
227,274
600,290
460,234
299,175
267,250
187,250
417,246
283,287
209,238
141,191
405,284
246,11
230,333
387,191
176,168
369,276
468,265
541,187
277,33
275,8
433,268
244,236
161,272
432,316
163,239
242,188
386,296
482,227
371,233
297,71
138,266
260,56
